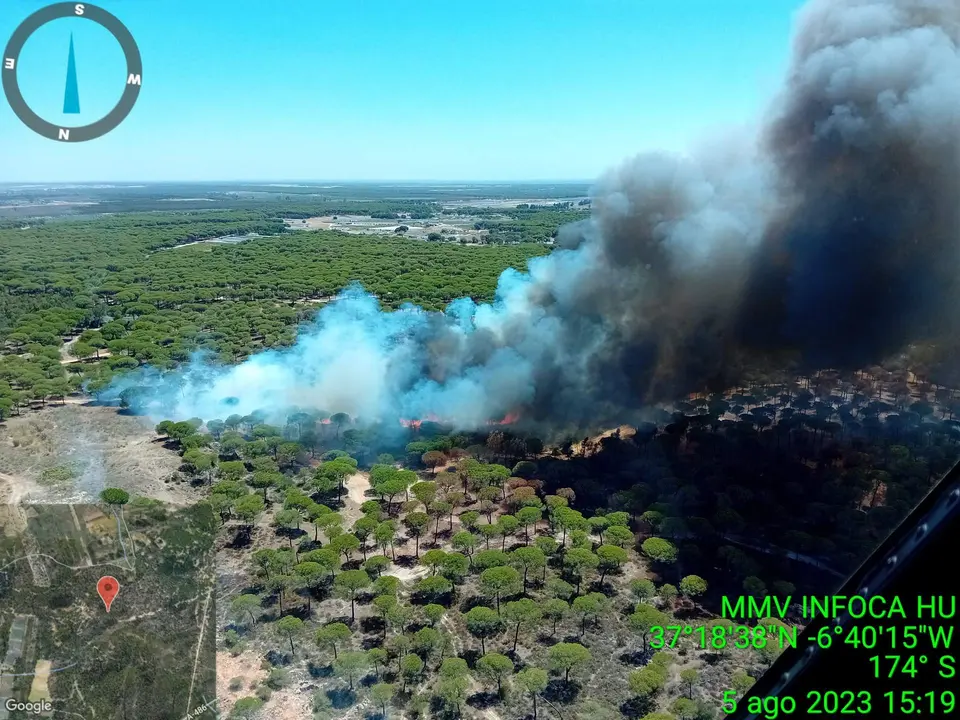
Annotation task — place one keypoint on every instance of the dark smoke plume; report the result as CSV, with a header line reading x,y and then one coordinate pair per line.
x,y
833,238
867,144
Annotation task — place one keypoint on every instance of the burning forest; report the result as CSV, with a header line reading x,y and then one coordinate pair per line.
x,y
829,239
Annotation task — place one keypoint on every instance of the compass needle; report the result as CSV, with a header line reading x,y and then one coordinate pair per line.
x,y
71,95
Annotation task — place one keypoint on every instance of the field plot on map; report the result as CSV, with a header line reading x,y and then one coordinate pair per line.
x,y
152,656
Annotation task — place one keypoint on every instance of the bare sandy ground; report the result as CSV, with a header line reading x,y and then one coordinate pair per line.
x,y
356,486
102,447
366,225
287,704
245,666
14,489
291,703
408,574
314,223
66,352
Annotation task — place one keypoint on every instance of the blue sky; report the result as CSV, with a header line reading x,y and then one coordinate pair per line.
x,y
394,89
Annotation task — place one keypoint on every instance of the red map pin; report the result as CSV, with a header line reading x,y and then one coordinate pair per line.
x,y
108,587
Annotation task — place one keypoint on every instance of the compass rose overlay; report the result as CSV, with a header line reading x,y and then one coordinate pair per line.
x,y
131,91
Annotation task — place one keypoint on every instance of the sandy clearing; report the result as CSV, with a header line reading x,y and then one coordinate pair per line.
x,y
460,229
356,486
245,666
66,354
104,447
12,489
313,223
287,704
66,351
314,301
70,360
408,574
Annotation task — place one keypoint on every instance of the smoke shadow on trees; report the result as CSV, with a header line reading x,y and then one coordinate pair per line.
x,y
277,658
483,700
408,561
373,624
319,671
637,707
290,534
242,538
469,603
341,698
562,692
471,656
636,657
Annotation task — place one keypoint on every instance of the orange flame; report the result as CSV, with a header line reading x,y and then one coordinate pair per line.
x,y
416,423
507,419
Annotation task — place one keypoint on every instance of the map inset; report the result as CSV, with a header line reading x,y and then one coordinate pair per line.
x,y
63,655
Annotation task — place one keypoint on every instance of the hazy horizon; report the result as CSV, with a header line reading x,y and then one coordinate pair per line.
x,y
287,182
